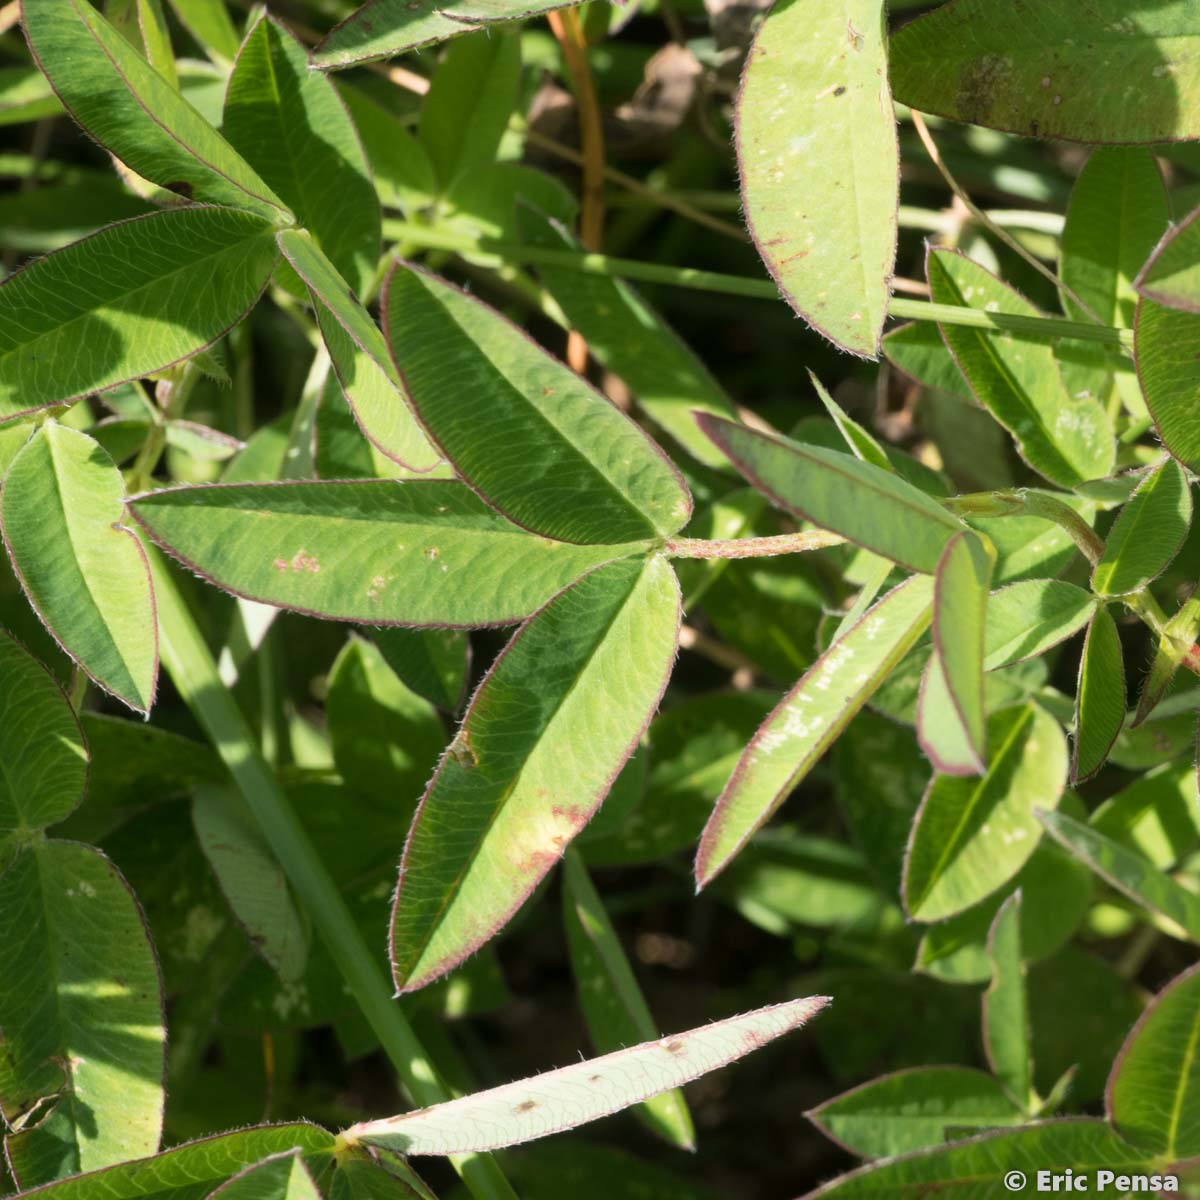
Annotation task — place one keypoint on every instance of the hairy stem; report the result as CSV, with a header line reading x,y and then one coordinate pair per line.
x,y
756,547
194,673
739,285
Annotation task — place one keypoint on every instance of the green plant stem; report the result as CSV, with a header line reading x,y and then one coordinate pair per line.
x,y
193,671
759,547
739,285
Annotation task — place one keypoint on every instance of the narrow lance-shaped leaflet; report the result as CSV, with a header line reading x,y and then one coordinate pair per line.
x,y
809,718
584,1091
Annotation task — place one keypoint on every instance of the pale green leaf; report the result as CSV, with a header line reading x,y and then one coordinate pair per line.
x,y
128,301
523,429
613,1005
385,738
433,662
861,443
1005,1007
1065,438
1148,532
1156,814
941,733
1154,1090
81,1015
26,95
143,25
208,21
973,62
376,552
403,172
290,123
960,598
623,332
912,1109
971,836
251,879
1129,872
1118,212
470,98
43,753
866,505
829,241
1026,619
1167,349
570,1096
130,109
84,571
360,358
809,718
538,749
1099,698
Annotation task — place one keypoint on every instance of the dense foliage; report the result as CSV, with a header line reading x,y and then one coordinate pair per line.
x,y
326,389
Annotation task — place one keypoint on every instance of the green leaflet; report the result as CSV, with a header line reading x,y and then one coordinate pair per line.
x,y
632,340
1005,1007
1026,619
251,879
470,98
1099,698
919,351
538,749
360,358
913,1109
808,719
1148,532
960,597
382,28
1167,349
861,444
1154,815
1118,212
1065,438
1056,893
403,173
1129,872
363,1175
144,27
376,552
977,1167
385,738
291,124
584,1091
81,1013
282,1177
866,505
133,111
613,1005
26,95
126,302
1171,275
83,570
523,429
829,241
193,1169
209,23
1154,1090
941,732
970,61
970,836
433,662
43,753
